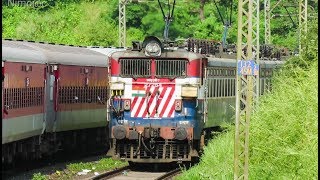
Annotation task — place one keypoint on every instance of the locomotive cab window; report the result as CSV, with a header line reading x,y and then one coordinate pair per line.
x,y
135,67
171,67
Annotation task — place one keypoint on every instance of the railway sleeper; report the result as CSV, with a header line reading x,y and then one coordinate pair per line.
x,y
163,151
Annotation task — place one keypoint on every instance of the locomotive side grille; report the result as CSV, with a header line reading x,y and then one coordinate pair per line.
x,y
135,67
171,68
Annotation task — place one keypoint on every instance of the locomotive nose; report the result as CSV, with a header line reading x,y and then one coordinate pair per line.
x,y
180,133
119,132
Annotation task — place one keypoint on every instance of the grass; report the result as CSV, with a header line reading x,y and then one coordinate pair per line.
x,y
284,141
283,134
104,164
39,176
217,160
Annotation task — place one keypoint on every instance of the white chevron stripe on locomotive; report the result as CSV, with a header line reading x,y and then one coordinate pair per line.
x,y
164,101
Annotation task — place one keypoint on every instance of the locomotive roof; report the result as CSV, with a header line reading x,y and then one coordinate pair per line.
x,y
181,53
53,53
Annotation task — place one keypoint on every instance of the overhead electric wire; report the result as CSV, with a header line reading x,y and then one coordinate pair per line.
x,y
174,4
230,21
161,9
167,18
219,12
294,24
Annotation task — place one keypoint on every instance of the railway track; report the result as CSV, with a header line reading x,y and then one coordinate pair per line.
x,y
170,174
129,173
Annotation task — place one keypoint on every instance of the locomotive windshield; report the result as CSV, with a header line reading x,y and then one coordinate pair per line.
x,y
135,67
171,68
163,67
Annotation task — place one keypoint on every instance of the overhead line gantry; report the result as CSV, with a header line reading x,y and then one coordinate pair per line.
x,y
247,82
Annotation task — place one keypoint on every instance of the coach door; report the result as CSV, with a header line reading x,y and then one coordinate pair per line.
x,y
52,77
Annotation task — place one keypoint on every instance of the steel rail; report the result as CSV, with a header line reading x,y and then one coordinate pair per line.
x,y
111,174
169,174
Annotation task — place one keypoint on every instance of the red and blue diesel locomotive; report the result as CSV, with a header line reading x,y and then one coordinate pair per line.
x,y
157,108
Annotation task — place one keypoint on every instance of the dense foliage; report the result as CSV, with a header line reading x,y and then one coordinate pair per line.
x,y
95,22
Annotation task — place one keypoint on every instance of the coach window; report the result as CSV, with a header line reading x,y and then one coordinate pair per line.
x,y
69,95
95,94
81,94
99,93
102,94
65,95
228,87
61,95
78,95
219,88
105,89
210,88
88,94
13,98
232,87
16,94
75,95
214,89
32,96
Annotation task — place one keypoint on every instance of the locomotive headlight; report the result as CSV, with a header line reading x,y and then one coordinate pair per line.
x,y
180,133
153,49
119,132
117,89
127,105
189,91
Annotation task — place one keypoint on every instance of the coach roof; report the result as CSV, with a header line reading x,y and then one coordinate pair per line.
x,y
18,52
106,51
61,54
